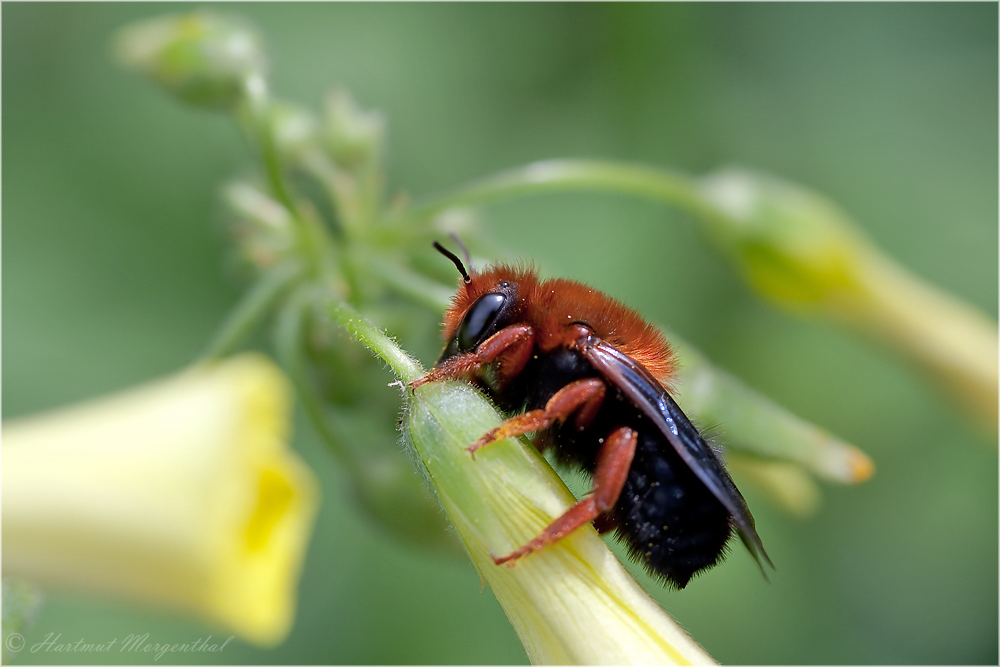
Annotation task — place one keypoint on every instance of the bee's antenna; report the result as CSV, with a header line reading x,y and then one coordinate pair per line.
x,y
454,258
465,251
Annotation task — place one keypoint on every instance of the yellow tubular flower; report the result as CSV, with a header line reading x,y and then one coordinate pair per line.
x,y
180,494
570,603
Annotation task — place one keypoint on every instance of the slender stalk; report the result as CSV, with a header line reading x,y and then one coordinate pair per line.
x,y
252,309
269,155
402,364
316,163
573,175
288,341
252,119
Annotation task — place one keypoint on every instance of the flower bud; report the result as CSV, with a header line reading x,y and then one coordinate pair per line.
x,y
787,485
353,136
796,247
571,602
262,227
759,427
792,244
294,129
205,59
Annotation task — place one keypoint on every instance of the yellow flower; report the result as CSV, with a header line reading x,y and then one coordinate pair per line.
x,y
181,494
570,603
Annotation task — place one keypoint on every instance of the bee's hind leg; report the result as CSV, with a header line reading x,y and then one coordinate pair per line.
x,y
613,462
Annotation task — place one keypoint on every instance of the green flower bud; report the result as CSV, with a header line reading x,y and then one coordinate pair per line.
x,y
570,603
760,428
792,244
786,484
353,136
205,59
263,228
796,247
294,129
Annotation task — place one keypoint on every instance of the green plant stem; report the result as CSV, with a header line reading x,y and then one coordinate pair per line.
x,y
288,342
252,309
316,163
574,175
252,117
269,154
345,192
402,364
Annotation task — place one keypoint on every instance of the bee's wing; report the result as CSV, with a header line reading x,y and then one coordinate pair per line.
x,y
652,399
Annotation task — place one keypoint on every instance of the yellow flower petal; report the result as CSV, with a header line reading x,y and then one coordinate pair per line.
x,y
181,494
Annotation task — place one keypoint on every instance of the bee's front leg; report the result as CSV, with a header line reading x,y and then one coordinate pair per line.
x,y
511,347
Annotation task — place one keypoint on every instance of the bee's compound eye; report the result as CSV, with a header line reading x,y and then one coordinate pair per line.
x,y
478,320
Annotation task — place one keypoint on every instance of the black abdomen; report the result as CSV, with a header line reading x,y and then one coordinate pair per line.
x,y
668,518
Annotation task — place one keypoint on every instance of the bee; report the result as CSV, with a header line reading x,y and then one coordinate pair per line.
x,y
587,375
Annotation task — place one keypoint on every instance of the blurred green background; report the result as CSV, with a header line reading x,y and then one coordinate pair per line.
x,y
113,274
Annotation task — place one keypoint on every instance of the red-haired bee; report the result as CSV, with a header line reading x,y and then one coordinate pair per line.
x,y
587,375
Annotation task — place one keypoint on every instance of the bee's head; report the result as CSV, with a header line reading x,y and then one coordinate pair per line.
x,y
484,304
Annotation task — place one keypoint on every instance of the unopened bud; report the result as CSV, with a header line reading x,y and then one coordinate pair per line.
x,y
263,228
294,129
792,244
504,497
205,59
353,135
795,246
